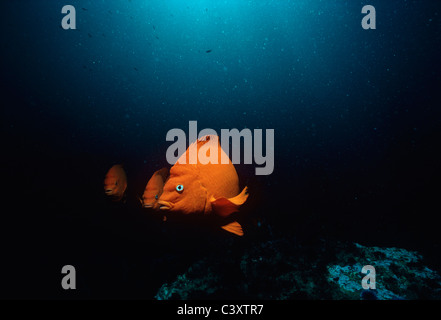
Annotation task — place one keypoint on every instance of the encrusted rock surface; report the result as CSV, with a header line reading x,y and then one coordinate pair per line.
x,y
281,269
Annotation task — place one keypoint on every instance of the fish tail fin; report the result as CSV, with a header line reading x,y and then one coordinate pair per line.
x,y
234,227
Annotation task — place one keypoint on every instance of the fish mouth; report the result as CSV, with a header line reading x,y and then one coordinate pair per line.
x,y
165,205
108,191
147,205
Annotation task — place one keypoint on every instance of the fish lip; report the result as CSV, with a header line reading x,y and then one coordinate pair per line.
x,y
148,206
165,205
108,191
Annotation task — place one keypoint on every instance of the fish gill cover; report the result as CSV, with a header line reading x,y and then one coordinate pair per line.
x,y
356,123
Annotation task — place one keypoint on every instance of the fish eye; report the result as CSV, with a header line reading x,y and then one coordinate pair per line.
x,y
156,197
116,183
179,188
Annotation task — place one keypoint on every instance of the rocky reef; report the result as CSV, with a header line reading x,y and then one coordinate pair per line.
x,y
283,269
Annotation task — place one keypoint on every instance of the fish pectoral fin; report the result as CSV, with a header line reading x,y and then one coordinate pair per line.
x,y
240,198
224,207
234,227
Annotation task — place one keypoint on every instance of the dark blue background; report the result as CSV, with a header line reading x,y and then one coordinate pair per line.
x,y
355,112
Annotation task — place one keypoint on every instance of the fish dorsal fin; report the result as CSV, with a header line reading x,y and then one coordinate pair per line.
x,y
184,158
234,227
208,137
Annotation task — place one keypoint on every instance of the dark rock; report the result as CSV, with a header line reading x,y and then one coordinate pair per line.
x,y
278,269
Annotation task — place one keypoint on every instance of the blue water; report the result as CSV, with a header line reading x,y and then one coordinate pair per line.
x,y
355,112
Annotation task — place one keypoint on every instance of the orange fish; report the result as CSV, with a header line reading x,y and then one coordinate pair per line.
x,y
153,189
204,188
115,182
